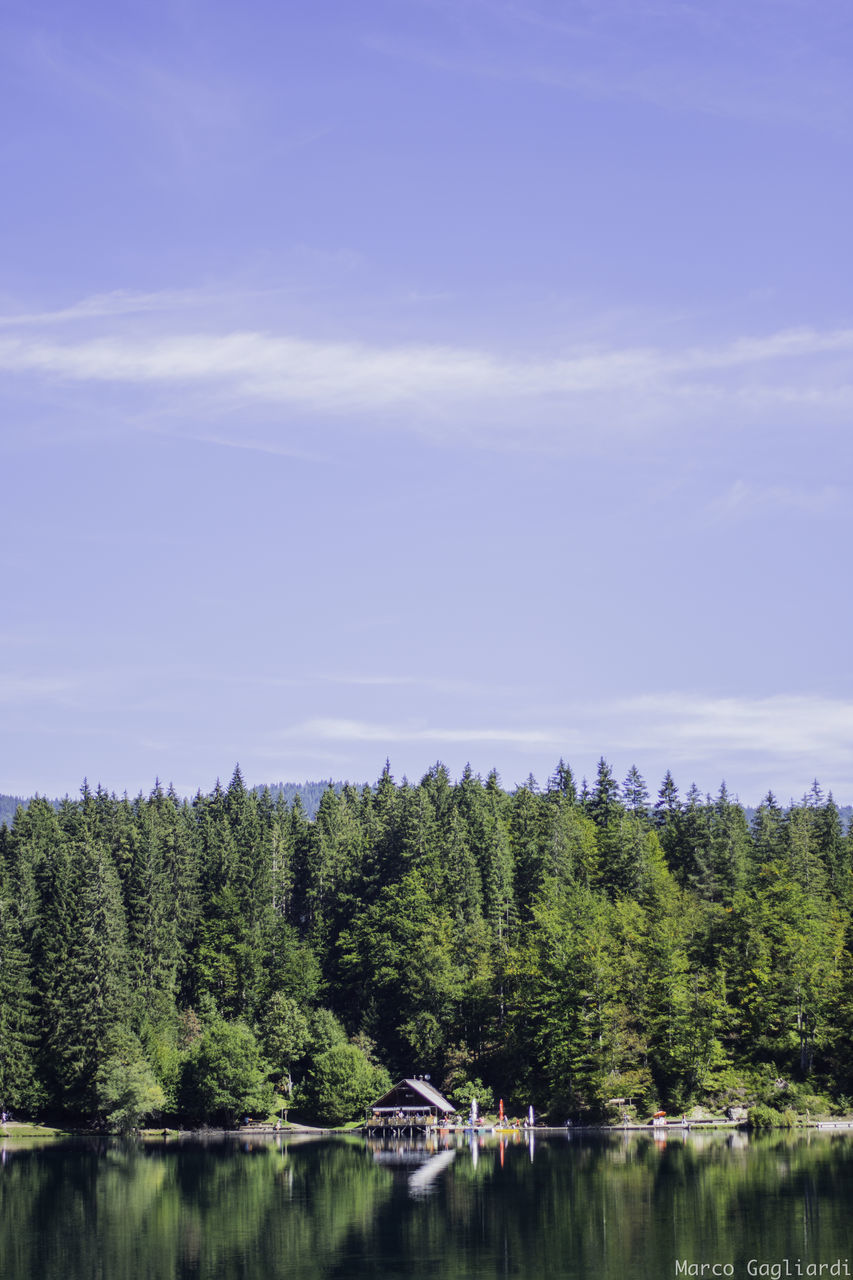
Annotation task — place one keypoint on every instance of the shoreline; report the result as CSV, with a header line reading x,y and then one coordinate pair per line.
x,y
24,1130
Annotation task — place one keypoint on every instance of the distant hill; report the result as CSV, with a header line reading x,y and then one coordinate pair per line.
x,y
8,808
309,792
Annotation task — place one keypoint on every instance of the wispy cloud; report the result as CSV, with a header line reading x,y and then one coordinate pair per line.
x,y
25,689
254,445
438,684
448,389
174,94
781,724
754,64
118,302
779,739
337,730
743,499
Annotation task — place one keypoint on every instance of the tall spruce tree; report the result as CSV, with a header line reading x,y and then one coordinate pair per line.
x,y
20,1087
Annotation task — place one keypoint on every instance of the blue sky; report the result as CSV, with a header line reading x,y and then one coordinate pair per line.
x,y
467,381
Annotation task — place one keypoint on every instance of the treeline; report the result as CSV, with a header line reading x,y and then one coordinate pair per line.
x,y
310,794
560,946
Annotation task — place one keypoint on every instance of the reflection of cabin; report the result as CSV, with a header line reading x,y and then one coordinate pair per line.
x,y
411,1104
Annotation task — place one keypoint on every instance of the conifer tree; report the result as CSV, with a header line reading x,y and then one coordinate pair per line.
x,y
603,803
19,1085
635,793
561,785
829,838
531,822
89,996
766,831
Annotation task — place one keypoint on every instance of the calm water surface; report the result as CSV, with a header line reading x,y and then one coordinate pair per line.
x,y
597,1207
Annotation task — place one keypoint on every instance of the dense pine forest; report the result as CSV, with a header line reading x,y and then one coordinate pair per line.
x,y
310,794
561,946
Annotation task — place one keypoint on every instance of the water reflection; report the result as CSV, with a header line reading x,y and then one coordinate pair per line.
x,y
597,1207
422,1181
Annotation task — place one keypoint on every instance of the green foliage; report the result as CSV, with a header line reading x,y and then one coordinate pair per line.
x,y
469,1089
325,1032
284,1032
570,945
126,1089
224,1076
19,1085
764,1117
162,1052
341,1084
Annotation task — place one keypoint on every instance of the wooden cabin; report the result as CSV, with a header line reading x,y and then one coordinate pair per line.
x,y
410,1104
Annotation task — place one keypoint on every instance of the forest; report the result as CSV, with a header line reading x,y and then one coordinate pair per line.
x,y
194,961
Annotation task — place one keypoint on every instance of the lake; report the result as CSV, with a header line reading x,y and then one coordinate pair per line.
x,y
591,1206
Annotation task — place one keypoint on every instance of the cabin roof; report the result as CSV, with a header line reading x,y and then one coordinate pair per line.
x,y
422,1089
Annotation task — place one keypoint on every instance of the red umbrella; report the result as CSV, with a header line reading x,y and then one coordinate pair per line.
x,y
658,1114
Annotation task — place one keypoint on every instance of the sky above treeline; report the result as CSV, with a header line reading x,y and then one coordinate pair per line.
x,y
464,380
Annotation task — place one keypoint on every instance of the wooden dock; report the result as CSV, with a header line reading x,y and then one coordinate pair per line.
x,y
399,1127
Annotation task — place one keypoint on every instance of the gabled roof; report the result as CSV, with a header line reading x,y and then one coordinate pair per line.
x,y
423,1089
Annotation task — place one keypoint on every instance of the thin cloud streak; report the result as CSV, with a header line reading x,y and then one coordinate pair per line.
x,y
27,689
782,741
782,725
600,57
119,302
275,448
639,386
335,730
743,500
682,727
439,684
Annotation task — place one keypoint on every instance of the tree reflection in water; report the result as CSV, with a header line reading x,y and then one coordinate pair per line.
x,y
579,1206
